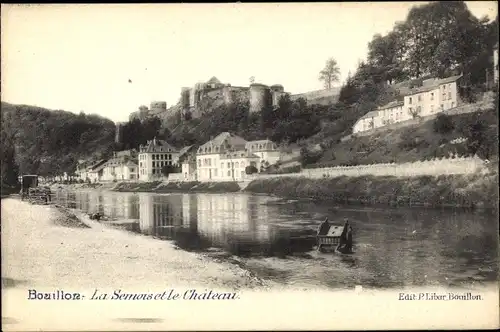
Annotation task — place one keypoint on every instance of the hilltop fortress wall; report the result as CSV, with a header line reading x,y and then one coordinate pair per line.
x,y
203,97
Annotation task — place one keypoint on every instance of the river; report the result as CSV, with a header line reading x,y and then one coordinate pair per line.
x,y
273,238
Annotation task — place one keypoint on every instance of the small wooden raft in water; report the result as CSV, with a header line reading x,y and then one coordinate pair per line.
x,y
328,236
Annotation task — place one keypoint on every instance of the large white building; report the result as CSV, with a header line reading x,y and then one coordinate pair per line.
x,y
226,157
208,156
434,96
267,151
153,156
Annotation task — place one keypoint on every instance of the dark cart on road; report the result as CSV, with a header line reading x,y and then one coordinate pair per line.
x,y
32,192
329,238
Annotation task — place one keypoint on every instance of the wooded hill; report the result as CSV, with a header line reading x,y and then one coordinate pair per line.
x,y
40,141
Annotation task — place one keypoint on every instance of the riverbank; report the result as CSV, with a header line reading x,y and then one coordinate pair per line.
x,y
50,247
178,187
467,191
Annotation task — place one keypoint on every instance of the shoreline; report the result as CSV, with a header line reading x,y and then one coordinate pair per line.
x,y
51,235
474,192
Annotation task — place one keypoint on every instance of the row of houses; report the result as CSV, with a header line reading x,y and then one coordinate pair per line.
x,y
434,96
223,158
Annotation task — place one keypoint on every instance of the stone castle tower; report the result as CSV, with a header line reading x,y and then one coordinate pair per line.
x,y
259,95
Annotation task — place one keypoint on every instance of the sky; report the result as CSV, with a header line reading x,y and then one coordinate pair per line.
x,y
81,57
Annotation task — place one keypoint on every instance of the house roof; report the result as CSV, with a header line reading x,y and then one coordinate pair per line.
x,y
394,103
130,163
370,114
264,144
433,84
225,137
213,80
239,154
96,164
98,168
185,150
154,144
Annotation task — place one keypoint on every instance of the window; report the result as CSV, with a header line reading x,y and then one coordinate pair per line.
x,y
228,173
449,95
409,102
444,87
432,96
199,162
221,165
452,104
228,165
441,106
419,97
237,165
215,172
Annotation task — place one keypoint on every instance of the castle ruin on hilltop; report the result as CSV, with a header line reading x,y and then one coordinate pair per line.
x,y
197,99
258,95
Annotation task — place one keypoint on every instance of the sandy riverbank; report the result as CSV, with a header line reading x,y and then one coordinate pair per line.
x,y
47,247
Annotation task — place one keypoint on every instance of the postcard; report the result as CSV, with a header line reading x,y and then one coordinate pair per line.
x,y
244,166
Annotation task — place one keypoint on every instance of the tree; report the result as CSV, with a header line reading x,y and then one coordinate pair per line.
x,y
330,74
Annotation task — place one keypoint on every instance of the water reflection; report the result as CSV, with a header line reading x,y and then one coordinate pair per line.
x,y
393,247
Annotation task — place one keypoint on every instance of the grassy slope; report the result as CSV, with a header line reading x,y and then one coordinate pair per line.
x,y
452,190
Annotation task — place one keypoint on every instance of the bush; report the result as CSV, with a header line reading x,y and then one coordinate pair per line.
x,y
443,124
251,170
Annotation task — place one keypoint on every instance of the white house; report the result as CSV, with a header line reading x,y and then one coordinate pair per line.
x,y
96,173
209,154
187,159
89,173
391,113
267,151
120,170
434,96
233,164
367,122
153,156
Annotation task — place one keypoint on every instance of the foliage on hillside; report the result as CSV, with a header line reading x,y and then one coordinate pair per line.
x,y
290,122
39,141
436,40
